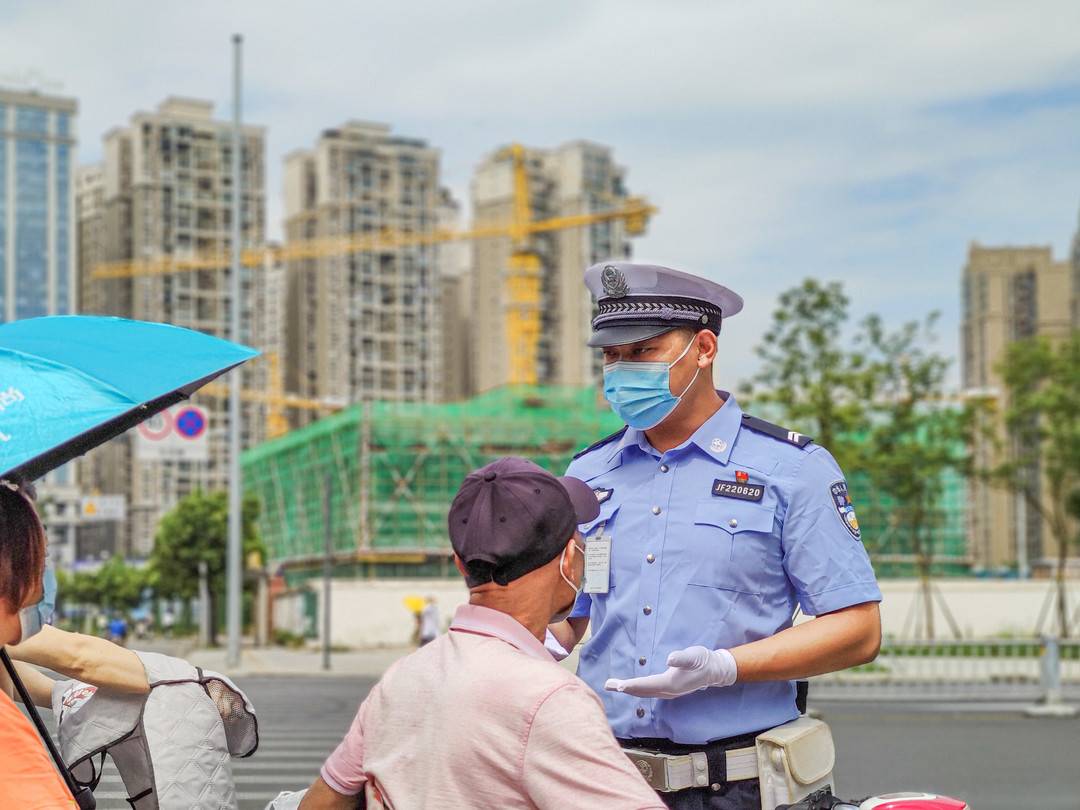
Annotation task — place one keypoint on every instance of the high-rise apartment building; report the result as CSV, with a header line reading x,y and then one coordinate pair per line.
x,y
363,325
37,155
37,248
1074,260
165,189
90,236
1009,294
454,260
576,178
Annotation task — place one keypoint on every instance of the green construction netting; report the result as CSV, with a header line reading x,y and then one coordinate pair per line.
x,y
417,455
892,548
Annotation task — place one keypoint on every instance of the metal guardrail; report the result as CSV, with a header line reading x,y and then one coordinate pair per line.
x,y
1031,670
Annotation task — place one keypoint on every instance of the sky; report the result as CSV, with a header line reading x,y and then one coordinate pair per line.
x,y
869,143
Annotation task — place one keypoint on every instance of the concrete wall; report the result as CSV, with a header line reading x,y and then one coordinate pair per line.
x,y
371,613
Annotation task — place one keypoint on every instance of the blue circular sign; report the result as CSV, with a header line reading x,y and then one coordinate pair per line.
x,y
190,423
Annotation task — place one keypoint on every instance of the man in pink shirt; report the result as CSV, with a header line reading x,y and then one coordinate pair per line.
x,y
483,716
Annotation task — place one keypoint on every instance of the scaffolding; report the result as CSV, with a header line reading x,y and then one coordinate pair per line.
x,y
891,547
395,468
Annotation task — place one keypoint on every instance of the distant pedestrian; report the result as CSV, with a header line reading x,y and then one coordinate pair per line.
x,y
167,622
118,630
429,621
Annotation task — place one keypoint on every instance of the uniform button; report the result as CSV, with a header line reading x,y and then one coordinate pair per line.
x,y
663,468
647,610
716,786
643,660
656,510
733,523
650,558
640,712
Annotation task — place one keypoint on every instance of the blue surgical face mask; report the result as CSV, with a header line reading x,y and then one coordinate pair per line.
x,y
640,393
47,605
33,617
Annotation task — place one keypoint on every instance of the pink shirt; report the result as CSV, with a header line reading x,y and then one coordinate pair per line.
x,y
484,717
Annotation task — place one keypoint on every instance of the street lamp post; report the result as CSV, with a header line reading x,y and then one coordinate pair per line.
x,y
234,573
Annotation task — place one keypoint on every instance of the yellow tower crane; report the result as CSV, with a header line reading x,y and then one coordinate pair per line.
x,y
275,399
523,288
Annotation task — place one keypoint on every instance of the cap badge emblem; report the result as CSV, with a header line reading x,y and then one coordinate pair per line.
x,y
614,282
718,445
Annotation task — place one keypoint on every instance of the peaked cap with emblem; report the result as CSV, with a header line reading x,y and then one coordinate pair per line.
x,y
640,301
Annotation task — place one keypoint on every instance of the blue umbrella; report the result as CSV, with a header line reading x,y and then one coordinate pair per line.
x,y
72,382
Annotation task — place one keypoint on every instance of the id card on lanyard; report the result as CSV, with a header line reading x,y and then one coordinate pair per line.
x,y
598,561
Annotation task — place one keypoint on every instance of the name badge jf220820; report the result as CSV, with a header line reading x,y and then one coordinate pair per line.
x,y
845,508
737,489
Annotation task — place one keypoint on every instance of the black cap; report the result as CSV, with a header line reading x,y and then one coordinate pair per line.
x,y
512,516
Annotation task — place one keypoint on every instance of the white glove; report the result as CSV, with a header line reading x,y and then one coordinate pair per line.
x,y
552,645
688,671
287,800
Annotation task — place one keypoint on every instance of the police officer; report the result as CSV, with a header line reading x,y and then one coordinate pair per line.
x,y
714,526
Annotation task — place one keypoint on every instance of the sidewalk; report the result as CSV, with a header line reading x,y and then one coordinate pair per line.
x,y
285,661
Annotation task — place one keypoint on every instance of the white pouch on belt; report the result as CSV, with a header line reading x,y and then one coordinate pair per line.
x,y
794,760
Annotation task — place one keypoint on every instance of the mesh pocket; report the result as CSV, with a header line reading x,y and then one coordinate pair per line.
x,y
241,727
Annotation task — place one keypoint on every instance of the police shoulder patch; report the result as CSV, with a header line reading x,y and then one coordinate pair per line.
x,y
844,507
602,442
775,431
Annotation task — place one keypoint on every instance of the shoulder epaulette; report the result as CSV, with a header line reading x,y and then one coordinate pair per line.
x,y
775,431
602,442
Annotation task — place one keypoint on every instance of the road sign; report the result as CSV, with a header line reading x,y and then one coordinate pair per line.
x,y
103,507
176,434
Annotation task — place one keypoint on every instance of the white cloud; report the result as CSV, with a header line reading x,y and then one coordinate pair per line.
x,y
780,139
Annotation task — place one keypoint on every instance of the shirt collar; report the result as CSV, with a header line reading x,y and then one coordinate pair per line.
x,y
632,437
715,437
496,624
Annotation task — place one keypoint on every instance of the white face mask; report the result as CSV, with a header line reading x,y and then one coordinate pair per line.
x,y
563,614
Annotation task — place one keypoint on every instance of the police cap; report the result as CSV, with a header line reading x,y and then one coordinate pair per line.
x,y
640,301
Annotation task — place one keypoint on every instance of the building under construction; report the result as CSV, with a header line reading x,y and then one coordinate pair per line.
x,y
392,469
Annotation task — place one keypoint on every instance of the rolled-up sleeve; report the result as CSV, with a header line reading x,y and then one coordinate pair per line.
x,y
824,556
343,770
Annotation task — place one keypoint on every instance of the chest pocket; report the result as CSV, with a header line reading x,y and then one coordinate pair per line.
x,y
735,544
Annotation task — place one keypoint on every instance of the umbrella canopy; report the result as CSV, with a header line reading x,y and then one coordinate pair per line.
x,y
69,383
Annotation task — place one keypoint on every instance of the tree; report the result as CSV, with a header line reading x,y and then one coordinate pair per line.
x,y
808,372
914,437
114,586
120,586
197,531
1042,455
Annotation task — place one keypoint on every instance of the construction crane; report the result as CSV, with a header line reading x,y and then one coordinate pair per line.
x,y
523,287
275,398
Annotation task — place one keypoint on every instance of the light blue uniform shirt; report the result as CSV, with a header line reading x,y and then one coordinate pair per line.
x,y
692,567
